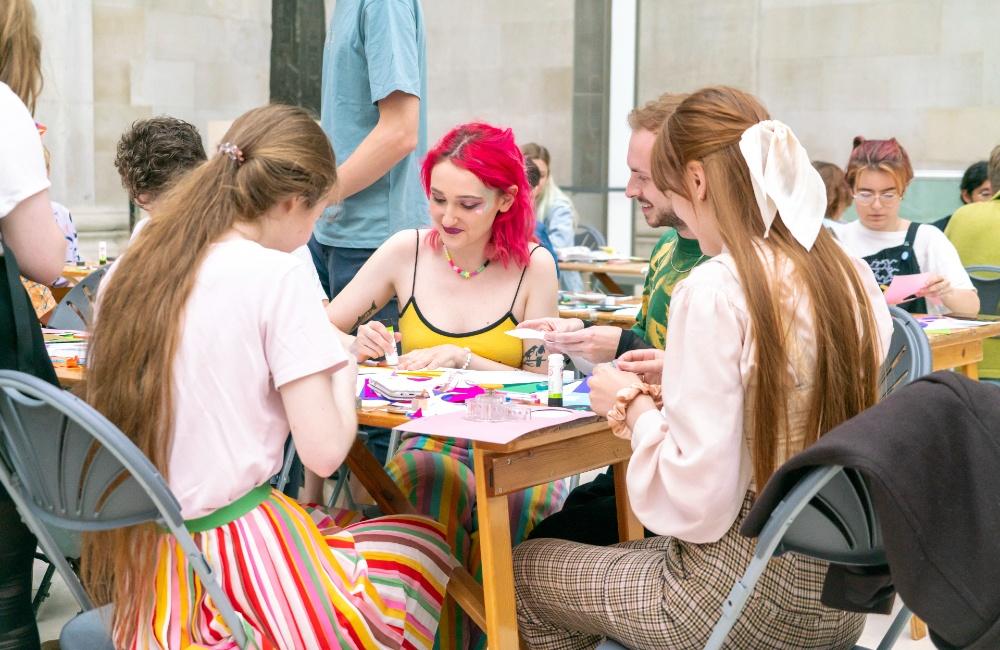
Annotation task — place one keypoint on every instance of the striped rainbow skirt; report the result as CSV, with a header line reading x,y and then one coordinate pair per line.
x,y
301,579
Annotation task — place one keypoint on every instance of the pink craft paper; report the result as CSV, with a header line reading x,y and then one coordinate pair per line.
x,y
905,286
454,425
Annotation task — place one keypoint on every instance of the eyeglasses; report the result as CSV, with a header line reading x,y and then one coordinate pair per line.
x,y
885,198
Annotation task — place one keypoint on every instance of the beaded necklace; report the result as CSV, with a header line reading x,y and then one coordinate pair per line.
x,y
457,269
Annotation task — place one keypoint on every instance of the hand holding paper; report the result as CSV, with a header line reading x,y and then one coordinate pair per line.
x,y
904,288
527,333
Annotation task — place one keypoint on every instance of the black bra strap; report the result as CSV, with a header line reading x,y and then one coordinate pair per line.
x,y
523,271
416,254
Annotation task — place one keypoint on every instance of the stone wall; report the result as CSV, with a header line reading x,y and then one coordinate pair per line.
x,y
924,71
509,63
110,62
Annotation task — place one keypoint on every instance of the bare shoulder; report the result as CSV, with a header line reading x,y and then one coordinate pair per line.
x,y
404,241
541,264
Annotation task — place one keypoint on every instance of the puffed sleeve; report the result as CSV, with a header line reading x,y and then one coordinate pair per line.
x,y
690,468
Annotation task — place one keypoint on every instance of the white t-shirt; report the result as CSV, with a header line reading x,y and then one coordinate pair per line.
x,y
251,324
935,254
22,163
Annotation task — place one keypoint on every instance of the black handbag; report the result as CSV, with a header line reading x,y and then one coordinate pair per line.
x,y
21,345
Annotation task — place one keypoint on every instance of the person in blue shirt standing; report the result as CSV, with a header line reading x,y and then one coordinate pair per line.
x,y
374,111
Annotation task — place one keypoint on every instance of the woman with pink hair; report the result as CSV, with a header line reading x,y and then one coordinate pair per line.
x,y
461,285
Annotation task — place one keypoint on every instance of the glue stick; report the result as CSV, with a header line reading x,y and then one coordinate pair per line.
x,y
555,379
391,358
102,252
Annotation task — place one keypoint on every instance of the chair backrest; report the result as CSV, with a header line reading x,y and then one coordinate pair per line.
x,y
909,354
67,467
76,309
986,280
837,522
588,236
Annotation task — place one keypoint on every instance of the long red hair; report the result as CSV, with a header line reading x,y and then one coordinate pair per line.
x,y
136,336
493,156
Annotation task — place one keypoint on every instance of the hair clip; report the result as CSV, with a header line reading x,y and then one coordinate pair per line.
x,y
235,153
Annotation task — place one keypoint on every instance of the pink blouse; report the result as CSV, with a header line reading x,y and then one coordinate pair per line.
x,y
690,466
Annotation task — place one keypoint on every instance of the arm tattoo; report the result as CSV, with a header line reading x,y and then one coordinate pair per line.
x,y
363,318
534,356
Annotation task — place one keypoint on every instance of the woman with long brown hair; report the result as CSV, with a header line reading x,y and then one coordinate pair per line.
x,y
209,347
27,231
770,345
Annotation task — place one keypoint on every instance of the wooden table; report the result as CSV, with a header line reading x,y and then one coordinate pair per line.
x,y
962,349
624,321
534,459
604,270
75,273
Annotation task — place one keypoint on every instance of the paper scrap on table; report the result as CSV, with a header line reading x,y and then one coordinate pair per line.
x,y
939,324
526,333
454,425
903,287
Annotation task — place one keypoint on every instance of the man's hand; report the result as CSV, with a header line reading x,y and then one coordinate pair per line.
x,y
594,344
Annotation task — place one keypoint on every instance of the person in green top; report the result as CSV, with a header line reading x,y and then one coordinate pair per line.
x,y
589,514
673,257
974,230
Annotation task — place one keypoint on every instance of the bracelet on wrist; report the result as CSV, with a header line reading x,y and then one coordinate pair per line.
x,y
468,359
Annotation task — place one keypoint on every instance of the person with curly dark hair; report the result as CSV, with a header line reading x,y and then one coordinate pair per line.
x,y
155,153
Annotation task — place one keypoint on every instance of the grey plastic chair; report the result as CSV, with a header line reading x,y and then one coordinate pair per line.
x,y
588,236
828,515
909,354
67,467
986,280
76,309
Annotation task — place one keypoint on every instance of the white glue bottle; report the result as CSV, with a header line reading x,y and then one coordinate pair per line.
x,y
556,363
391,357
102,253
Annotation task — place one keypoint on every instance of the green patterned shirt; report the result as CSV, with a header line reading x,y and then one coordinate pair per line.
x,y
672,259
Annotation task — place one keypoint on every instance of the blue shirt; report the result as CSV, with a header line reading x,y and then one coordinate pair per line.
x,y
373,48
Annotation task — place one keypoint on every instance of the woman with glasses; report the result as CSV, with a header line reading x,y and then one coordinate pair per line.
x,y
879,172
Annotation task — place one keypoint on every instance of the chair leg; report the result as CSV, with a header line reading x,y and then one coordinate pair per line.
x,y
44,586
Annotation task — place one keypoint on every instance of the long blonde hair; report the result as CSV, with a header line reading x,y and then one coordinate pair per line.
x,y
129,377
20,51
550,194
707,127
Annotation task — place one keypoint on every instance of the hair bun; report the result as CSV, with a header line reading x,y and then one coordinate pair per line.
x,y
858,139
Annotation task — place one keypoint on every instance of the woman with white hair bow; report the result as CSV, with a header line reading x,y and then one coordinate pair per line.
x,y
758,365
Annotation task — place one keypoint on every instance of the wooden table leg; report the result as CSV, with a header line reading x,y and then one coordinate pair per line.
x,y
918,629
608,283
498,560
462,586
970,370
372,476
629,527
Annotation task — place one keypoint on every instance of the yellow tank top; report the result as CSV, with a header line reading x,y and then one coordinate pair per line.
x,y
490,342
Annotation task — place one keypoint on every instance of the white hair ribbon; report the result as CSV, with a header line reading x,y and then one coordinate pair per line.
x,y
784,180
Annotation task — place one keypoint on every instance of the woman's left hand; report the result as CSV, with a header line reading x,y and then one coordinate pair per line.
x,y
439,356
605,384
